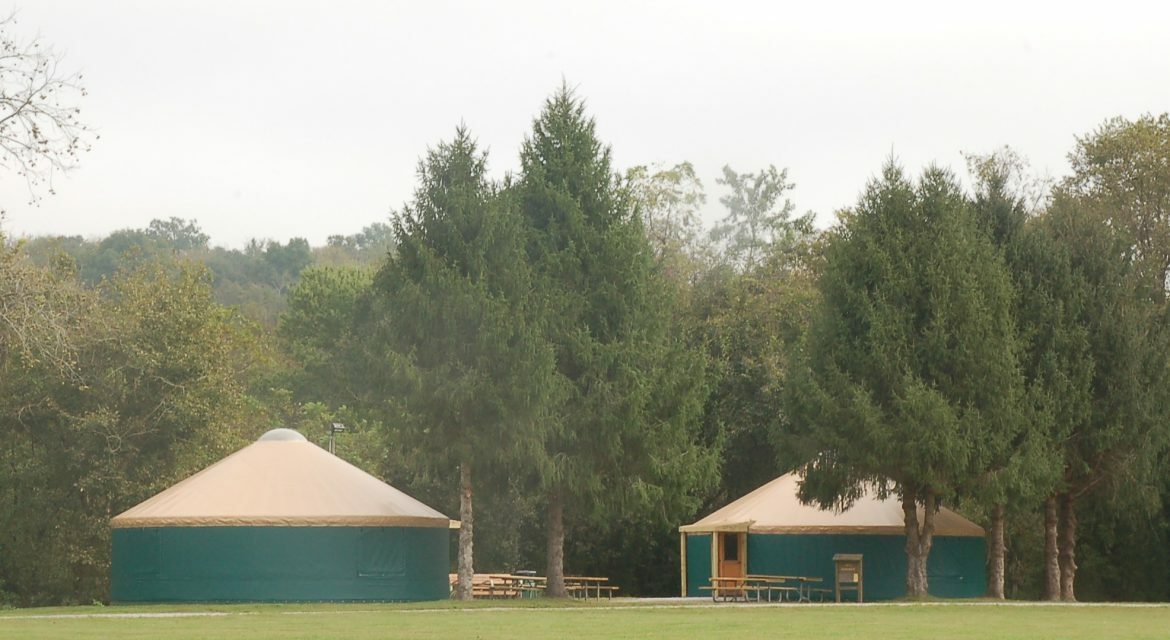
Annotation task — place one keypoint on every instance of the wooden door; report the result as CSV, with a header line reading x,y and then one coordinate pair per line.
x,y
732,552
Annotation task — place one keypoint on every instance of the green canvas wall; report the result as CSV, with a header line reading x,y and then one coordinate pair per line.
x,y
278,564
698,563
955,569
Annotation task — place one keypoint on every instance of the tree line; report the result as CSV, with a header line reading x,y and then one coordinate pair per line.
x,y
567,360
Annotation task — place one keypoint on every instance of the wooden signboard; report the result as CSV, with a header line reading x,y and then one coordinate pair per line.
x,y
848,574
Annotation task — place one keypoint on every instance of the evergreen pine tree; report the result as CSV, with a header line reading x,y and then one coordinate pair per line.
x,y
626,436
453,325
910,380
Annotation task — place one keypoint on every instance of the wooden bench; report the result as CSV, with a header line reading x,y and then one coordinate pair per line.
x,y
607,589
586,586
493,592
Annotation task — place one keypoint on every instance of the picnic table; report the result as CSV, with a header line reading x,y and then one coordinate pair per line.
x,y
759,586
807,582
781,585
502,585
581,586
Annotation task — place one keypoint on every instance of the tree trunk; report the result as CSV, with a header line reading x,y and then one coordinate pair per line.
x,y
466,534
555,587
918,541
1068,548
926,538
995,554
1051,562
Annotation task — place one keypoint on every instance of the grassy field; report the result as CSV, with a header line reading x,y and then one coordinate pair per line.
x,y
491,620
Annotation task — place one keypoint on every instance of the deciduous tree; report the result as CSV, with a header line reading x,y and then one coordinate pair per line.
x,y
1124,168
669,200
154,385
41,131
759,215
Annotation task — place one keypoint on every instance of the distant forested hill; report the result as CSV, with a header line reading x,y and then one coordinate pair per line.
x,y
254,279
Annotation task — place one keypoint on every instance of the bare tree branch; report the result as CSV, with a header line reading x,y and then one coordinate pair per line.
x,y
41,132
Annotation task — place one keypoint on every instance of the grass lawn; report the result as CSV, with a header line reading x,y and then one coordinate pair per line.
x,y
492,620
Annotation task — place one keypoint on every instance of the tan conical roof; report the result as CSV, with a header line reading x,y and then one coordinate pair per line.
x,y
281,480
775,508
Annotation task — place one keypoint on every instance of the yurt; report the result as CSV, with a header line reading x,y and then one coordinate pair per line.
x,y
769,532
280,520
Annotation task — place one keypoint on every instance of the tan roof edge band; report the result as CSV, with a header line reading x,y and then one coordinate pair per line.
x,y
284,521
822,530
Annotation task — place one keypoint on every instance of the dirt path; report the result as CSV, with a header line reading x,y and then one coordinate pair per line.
x,y
624,604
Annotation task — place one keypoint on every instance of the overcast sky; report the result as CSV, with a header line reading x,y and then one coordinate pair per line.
x,y
283,119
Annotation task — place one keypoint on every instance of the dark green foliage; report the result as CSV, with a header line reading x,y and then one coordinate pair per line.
x,y
1110,220
637,553
1120,428
1093,336
909,377
911,372
455,336
317,330
1124,539
451,323
627,436
128,247
288,260
747,323
1052,345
